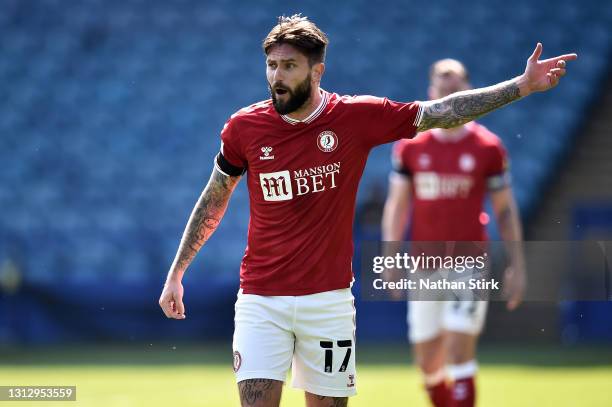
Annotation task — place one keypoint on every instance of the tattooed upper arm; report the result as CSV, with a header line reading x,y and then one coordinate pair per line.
x,y
462,107
214,199
221,182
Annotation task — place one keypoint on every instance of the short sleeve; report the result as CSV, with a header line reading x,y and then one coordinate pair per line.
x,y
230,159
390,121
399,158
498,171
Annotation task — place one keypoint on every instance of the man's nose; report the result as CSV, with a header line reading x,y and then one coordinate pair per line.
x,y
278,76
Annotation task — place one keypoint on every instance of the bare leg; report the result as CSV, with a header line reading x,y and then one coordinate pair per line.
x,y
260,392
462,367
461,347
314,400
430,355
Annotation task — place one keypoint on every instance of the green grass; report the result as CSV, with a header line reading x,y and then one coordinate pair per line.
x,y
199,376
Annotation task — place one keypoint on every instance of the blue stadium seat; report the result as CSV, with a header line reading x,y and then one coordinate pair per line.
x,y
113,108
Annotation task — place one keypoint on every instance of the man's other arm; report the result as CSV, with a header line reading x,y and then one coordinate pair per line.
x,y
510,228
395,213
462,107
395,220
204,220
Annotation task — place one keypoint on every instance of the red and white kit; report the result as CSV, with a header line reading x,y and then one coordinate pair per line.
x,y
449,178
302,179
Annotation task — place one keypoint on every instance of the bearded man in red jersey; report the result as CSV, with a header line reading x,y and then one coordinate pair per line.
x,y
304,151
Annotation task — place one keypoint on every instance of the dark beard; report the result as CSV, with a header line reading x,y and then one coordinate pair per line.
x,y
296,98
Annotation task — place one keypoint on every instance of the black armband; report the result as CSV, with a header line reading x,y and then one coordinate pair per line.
x,y
225,167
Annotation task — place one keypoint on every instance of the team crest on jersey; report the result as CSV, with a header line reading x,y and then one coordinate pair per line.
x,y
237,361
467,162
266,153
424,161
327,141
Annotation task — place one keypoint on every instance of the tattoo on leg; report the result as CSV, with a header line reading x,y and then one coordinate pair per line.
x,y
253,390
332,401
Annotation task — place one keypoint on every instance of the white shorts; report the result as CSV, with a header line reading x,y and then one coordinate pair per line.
x,y
426,319
314,334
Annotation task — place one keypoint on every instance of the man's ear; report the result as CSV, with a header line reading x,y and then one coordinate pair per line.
x,y
317,72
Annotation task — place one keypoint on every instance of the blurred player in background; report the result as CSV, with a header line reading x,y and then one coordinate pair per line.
x,y
442,177
304,151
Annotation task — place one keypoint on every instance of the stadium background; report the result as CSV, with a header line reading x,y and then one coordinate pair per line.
x,y
110,119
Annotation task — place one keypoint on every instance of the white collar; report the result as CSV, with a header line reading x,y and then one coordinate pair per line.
x,y
312,116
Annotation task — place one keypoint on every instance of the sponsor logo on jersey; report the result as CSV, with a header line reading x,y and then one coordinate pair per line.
x,y
351,380
266,153
316,179
327,141
467,162
277,186
430,186
237,361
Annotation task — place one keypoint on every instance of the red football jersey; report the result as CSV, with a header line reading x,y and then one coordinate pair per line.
x,y
449,181
302,178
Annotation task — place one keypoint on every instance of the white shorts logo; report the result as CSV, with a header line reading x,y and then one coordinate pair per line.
x,y
237,361
276,186
327,141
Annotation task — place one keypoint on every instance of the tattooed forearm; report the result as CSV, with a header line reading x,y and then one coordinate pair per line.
x,y
255,392
204,218
462,107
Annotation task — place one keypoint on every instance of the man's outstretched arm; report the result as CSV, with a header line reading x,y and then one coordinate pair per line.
x,y
204,220
462,107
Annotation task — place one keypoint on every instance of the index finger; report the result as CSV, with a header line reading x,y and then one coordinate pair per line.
x,y
166,307
566,57
180,309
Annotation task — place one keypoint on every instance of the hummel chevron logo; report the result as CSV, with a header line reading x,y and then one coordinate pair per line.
x,y
266,153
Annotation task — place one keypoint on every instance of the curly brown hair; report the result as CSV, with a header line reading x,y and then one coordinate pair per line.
x,y
301,33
